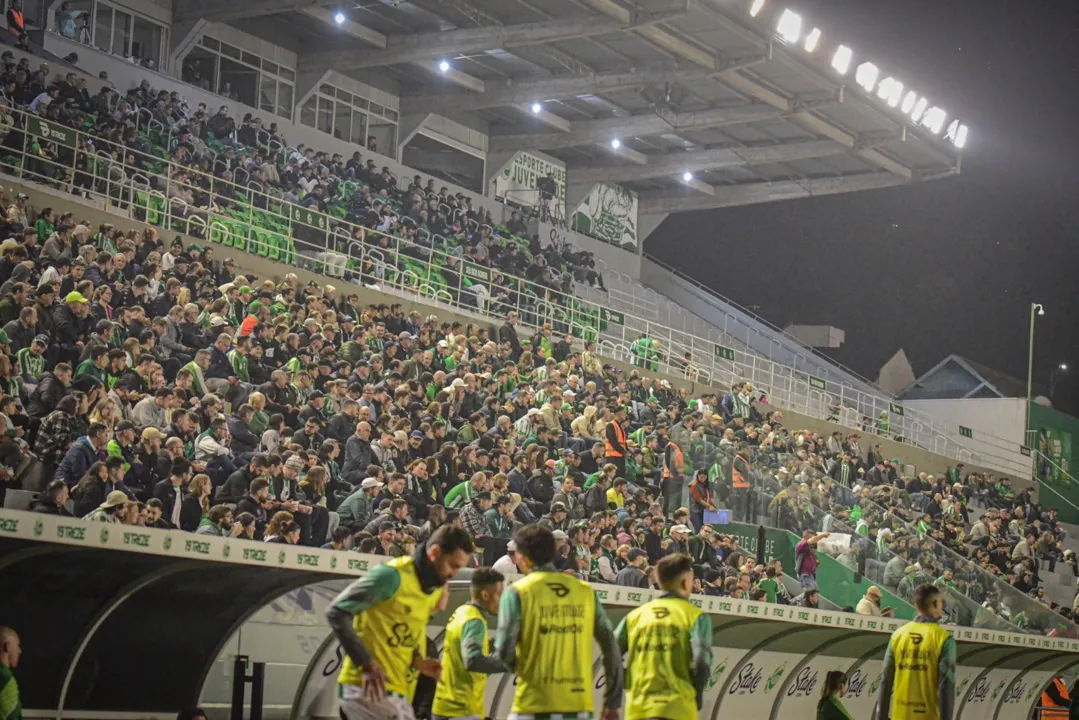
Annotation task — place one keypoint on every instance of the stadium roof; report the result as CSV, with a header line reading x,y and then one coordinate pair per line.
x,y
692,104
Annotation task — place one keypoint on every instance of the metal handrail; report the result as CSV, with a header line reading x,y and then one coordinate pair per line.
x,y
780,381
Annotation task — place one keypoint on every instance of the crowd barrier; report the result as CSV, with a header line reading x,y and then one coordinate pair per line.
x,y
248,218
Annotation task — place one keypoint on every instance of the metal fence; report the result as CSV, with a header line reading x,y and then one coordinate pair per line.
x,y
246,215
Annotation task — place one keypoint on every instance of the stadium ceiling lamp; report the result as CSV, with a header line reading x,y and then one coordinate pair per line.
x,y
866,75
789,26
443,66
339,18
916,109
687,176
536,108
890,91
616,143
841,59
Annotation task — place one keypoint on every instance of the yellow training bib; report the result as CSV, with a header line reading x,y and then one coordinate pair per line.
x,y
394,631
554,648
659,681
916,649
460,692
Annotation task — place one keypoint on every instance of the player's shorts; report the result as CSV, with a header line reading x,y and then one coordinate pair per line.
x,y
356,706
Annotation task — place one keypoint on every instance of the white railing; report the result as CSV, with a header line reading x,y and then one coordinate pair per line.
x,y
130,189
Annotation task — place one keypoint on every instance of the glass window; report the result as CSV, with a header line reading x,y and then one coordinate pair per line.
x,y
391,114
200,69
325,115
307,112
359,128
103,27
238,82
121,34
77,23
267,94
211,43
230,51
286,73
251,59
146,40
360,102
344,96
284,99
269,67
326,89
342,121
377,109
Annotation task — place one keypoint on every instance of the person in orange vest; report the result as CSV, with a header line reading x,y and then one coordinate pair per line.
x,y
614,451
741,494
674,477
1056,702
16,24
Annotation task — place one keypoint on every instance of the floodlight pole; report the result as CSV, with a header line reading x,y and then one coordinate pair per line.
x,y
1035,309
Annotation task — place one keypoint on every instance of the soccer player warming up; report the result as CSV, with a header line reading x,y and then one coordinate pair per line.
x,y
669,641
381,622
466,656
919,665
547,622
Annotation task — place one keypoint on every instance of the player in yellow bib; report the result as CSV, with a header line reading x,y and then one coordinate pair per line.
x,y
919,665
381,622
466,656
669,641
547,622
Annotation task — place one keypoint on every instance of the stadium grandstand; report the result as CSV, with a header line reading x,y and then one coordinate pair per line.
x,y
337,300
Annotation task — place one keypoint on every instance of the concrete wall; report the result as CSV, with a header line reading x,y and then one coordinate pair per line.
x,y
999,421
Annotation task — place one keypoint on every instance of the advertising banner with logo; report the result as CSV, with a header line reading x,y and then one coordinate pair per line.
x,y
518,181
1055,433
610,214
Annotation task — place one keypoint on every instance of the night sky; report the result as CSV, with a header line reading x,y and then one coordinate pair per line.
x,y
946,266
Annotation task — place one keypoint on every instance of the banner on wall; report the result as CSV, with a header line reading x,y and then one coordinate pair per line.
x,y
610,214
1054,436
518,182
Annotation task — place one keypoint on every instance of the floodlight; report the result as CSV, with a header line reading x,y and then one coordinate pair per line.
x,y
908,102
812,39
919,109
890,90
961,137
687,176
866,75
841,59
444,66
616,143
536,108
756,8
1062,366
339,18
789,26
934,120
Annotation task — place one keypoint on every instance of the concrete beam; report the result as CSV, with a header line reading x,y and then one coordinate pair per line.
x,y
700,186
454,76
545,117
565,86
752,193
349,27
660,37
218,11
587,132
675,163
805,118
430,46
624,152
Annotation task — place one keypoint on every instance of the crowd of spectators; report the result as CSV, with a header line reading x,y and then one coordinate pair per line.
x,y
202,161
158,386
